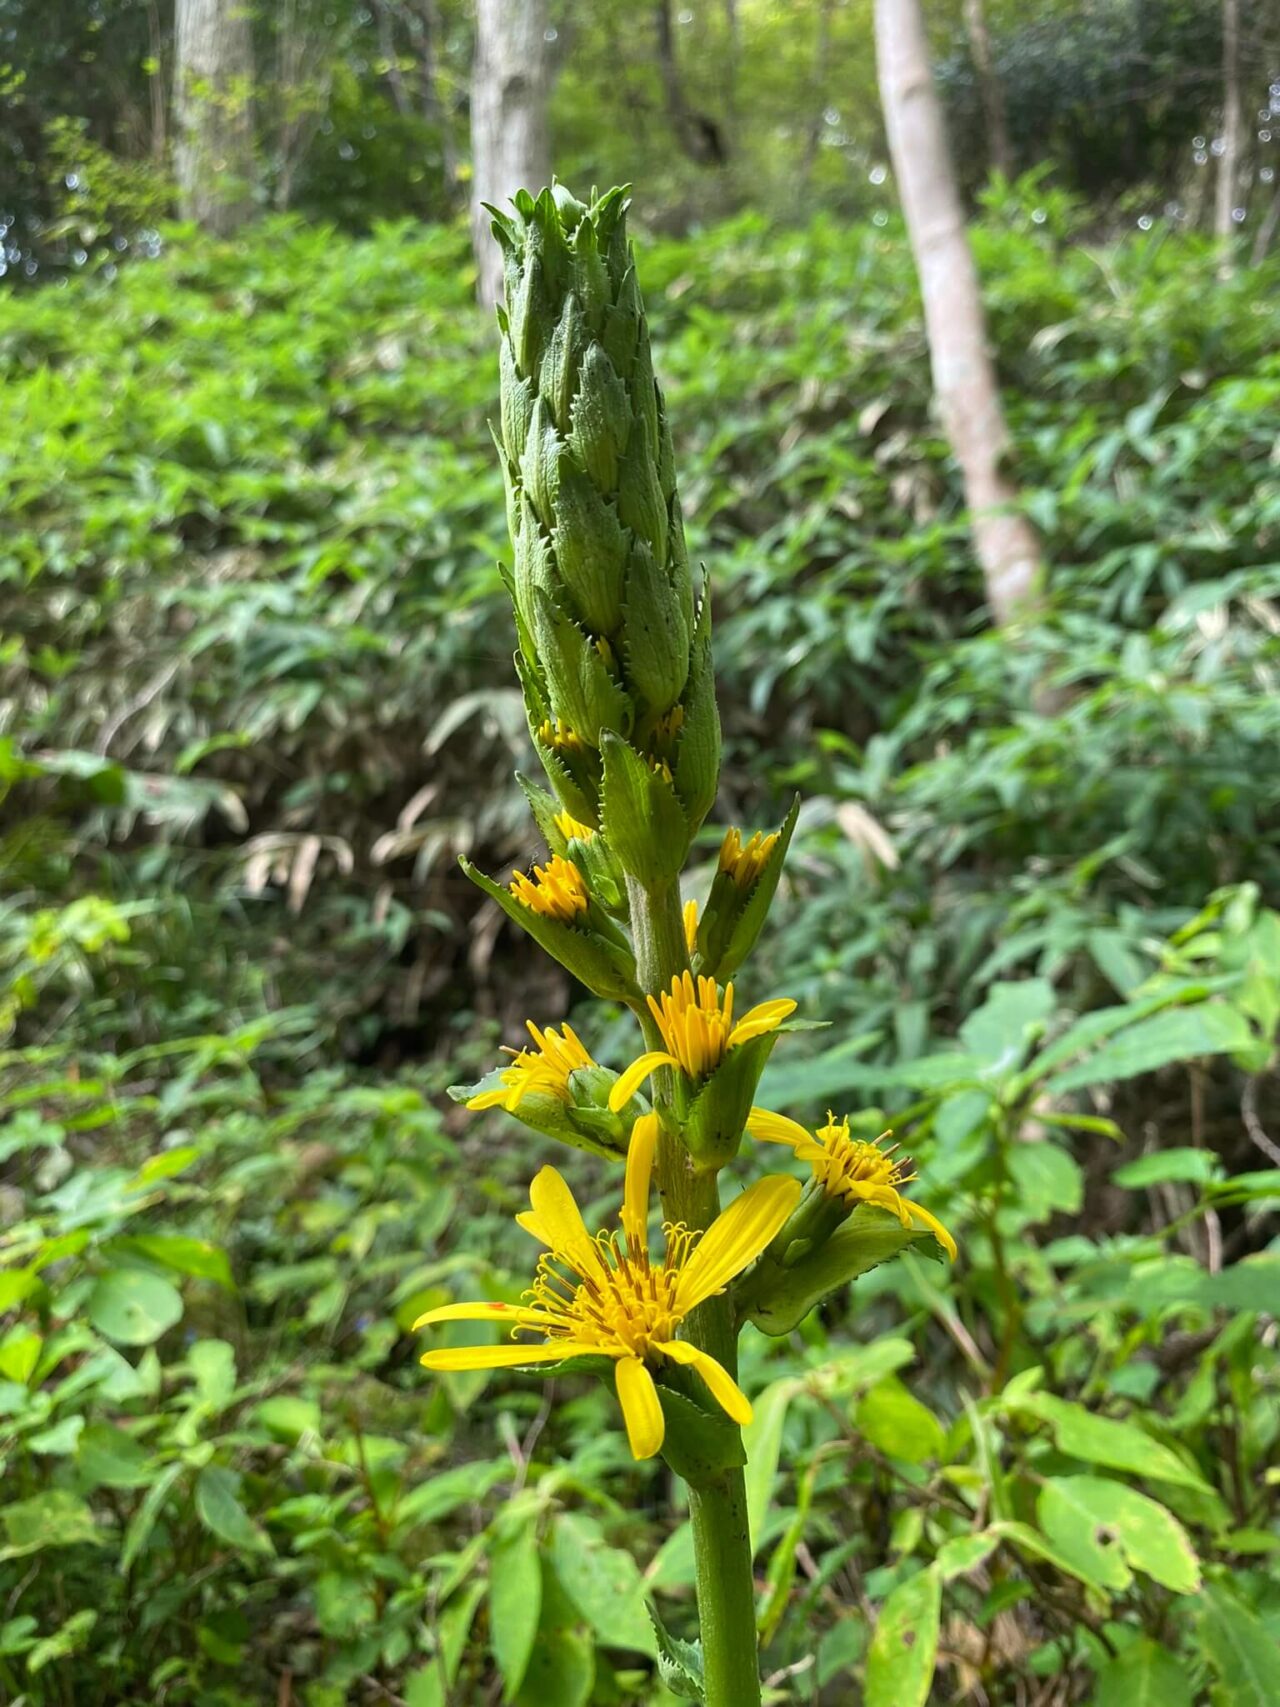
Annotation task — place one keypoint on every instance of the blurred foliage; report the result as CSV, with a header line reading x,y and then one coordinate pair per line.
x,y
255,696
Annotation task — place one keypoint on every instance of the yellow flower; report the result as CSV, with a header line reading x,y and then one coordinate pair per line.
x,y
559,735
744,864
851,1169
557,890
570,828
690,925
613,1301
544,1069
697,1027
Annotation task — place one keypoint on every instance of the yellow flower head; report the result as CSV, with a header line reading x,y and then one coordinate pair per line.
x,y
560,736
605,1296
696,1022
556,890
851,1169
544,1069
744,864
570,828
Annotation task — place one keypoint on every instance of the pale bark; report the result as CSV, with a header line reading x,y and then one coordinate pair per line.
x,y
510,150
213,83
1232,122
964,379
989,87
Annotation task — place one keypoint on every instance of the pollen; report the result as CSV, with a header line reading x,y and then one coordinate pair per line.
x,y
557,890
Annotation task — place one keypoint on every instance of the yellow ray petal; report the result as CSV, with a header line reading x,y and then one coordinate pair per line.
x,y
641,1409
763,1017
489,1099
690,916
736,1238
933,1224
776,1128
556,1219
721,1385
507,1356
630,1081
514,1315
635,1196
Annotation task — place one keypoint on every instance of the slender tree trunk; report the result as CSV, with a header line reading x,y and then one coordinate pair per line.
x,y
1232,122
821,54
510,150
1267,230
964,380
159,98
990,88
213,88
701,138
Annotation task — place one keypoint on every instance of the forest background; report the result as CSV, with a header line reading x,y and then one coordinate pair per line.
x,y
256,697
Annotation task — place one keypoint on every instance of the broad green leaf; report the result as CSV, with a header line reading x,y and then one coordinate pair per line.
x,y
424,1687
964,1553
1172,1164
288,1417
196,1257
219,1509
213,1363
515,1603
1143,1675
133,1307
1110,1529
904,1649
108,1457
561,1670
1244,1657
439,1495
896,1422
55,1518
604,1583
1176,1034
1000,1032
1030,1541
1101,1440
144,1519
1047,1181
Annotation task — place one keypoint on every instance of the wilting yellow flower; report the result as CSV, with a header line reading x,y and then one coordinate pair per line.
x,y
691,925
744,864
560,735
545,1069
697,1027
851,1169
557,890
570,828
613,1301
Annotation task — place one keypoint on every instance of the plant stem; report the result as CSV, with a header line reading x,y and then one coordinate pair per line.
x,y
717,1505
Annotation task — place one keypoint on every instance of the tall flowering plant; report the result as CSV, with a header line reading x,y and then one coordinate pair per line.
x,y
614,656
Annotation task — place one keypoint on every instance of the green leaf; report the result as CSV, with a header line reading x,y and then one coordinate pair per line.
x,y
1176,1034
144,1519
219,1509
1100,1440
55,1518
288,1417
515,1603
438,1496
1143,1675
1110,1529
561,1670
896,1422
604,1584
133,1307
1001,1031
642,819
1241,1651
196,1257
964,1553
213,1363
697,1442
1047,1180
762,1443
68,1639
776,1300
679,1663
904,1649
1176,1163
107,1457
1029,1541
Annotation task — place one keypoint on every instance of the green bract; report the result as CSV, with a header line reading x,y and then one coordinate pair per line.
x,y
614,628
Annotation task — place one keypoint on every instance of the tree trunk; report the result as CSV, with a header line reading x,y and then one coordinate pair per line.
x,y
999,151
964,380
213,87
1232,122
701,138
511,79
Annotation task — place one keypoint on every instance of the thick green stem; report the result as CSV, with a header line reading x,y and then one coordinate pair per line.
x,y
718,1505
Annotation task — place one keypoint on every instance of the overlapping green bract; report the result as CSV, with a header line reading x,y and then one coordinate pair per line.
x,y
614,626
